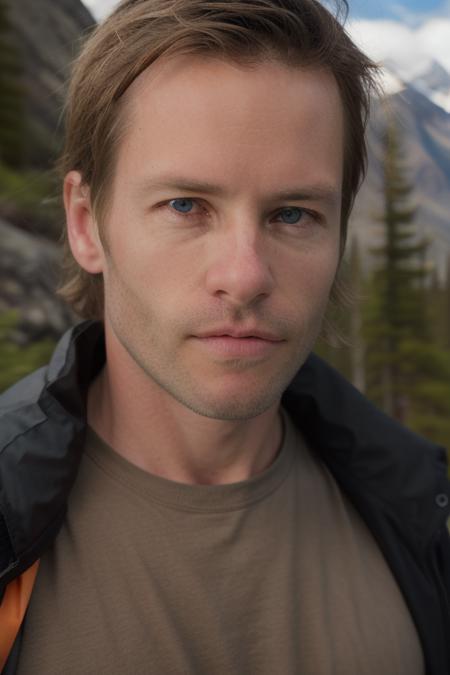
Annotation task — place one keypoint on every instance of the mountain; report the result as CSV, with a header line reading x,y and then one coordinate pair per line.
x,y
434,83
28,276
47,35
424,129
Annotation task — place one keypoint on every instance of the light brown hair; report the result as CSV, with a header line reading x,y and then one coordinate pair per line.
x,y
293,32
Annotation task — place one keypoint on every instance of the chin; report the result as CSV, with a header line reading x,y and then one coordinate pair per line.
x,y
238,406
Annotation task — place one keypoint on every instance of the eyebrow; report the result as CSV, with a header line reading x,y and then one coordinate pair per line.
x,y
323,193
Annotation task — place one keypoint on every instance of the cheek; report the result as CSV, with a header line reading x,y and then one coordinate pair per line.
x,y
151,256
146,283
132,263
312,275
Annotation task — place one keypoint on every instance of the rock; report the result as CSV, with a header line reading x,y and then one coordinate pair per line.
x,y
47,34
29,270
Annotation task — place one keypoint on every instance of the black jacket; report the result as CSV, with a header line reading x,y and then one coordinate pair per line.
x,y
397,481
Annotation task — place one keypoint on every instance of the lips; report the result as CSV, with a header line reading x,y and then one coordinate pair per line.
x,y
226,343
241,334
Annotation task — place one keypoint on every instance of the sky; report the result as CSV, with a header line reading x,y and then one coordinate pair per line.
x,y
411,33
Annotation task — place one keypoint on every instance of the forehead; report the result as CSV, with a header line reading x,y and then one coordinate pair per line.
x,y
218,117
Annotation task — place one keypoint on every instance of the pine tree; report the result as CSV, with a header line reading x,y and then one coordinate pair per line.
x,y
407,373
16,361
446,306
395,313
438,302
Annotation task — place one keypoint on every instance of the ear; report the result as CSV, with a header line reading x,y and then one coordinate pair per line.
x,y
82,229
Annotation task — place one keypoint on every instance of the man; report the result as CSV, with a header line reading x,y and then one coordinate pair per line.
x,y
201,494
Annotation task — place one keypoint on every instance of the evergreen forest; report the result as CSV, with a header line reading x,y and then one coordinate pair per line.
x,y
391,337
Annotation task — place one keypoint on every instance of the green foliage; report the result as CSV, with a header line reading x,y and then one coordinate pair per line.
x,y
399,324
16,361
12,115
27,197
406,372
426,389
442,310
26,200
400,274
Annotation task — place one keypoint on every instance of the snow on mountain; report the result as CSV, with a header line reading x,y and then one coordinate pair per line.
x,y
433,82
391,83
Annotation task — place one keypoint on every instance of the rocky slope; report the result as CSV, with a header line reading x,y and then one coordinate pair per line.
x,y
28,277
46,34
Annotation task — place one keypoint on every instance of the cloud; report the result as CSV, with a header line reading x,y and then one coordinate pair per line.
x,y
100,8
412,48
435,38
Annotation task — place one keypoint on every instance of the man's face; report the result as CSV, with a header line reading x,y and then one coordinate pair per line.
x,y
217,291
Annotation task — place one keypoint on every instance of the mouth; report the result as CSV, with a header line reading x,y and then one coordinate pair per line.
x,y
235,344
242,335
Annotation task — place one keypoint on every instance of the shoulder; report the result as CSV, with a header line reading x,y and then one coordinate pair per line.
x,y
42,424
370,454
61,377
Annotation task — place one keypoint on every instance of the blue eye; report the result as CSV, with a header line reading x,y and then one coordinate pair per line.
x,y
291,214
182,205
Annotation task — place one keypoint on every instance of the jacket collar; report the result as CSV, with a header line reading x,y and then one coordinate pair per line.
x,y
377,462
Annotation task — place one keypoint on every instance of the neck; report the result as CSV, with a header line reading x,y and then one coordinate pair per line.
x,y
152,430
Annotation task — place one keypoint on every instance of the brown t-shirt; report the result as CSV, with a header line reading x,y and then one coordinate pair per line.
x,y
276,575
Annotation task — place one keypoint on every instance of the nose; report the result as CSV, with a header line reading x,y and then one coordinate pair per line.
x,y
239,270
